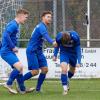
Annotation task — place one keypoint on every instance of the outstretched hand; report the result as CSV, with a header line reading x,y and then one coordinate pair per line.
x,y
55,44
15,50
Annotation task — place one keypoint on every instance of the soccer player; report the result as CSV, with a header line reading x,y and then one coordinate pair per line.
x,y
35,56
9,50
70,55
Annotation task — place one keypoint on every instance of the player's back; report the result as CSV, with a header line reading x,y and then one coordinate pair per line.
x,y
36,40
9,34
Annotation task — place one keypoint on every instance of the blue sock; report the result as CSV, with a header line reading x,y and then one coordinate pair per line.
x,y
64,79
12,76
20,82
70,74
40,81
27,76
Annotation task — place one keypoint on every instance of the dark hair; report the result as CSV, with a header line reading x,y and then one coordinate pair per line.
x,y
46,12
22,11
65,37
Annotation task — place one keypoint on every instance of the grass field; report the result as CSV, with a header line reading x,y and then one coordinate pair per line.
x,y
52,90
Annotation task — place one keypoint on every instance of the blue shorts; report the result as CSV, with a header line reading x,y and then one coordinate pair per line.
x,y
69,59
36,60
10,58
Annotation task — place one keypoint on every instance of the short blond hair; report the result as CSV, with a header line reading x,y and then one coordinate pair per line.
x,y
22,11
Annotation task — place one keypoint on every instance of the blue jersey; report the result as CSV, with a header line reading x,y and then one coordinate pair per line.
x,y
72,47
39,33
9,36
0,44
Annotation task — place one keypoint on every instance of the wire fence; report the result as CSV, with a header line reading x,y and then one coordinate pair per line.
x,y
67,15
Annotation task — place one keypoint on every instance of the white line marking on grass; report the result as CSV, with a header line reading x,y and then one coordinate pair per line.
x,y
3,83
85,90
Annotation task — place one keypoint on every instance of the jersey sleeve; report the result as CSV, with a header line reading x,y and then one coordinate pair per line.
x,y
44,33
56,50
58,38
9,30
48,38
74,36
43,30
78,51
0,45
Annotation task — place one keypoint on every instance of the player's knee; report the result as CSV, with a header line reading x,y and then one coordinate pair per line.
x,y
35,72
64,71
19,67
64,67
72,70
44,70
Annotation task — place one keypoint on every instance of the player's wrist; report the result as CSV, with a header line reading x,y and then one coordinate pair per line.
x,y
15,49
55,44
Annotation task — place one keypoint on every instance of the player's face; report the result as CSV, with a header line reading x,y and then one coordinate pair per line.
x,y
47,18
23,18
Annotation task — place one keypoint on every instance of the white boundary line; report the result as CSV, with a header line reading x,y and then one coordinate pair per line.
x,y
91,90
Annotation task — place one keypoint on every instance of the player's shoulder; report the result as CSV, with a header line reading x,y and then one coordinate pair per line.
x,y
41,25
59,36
72,32
12,24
